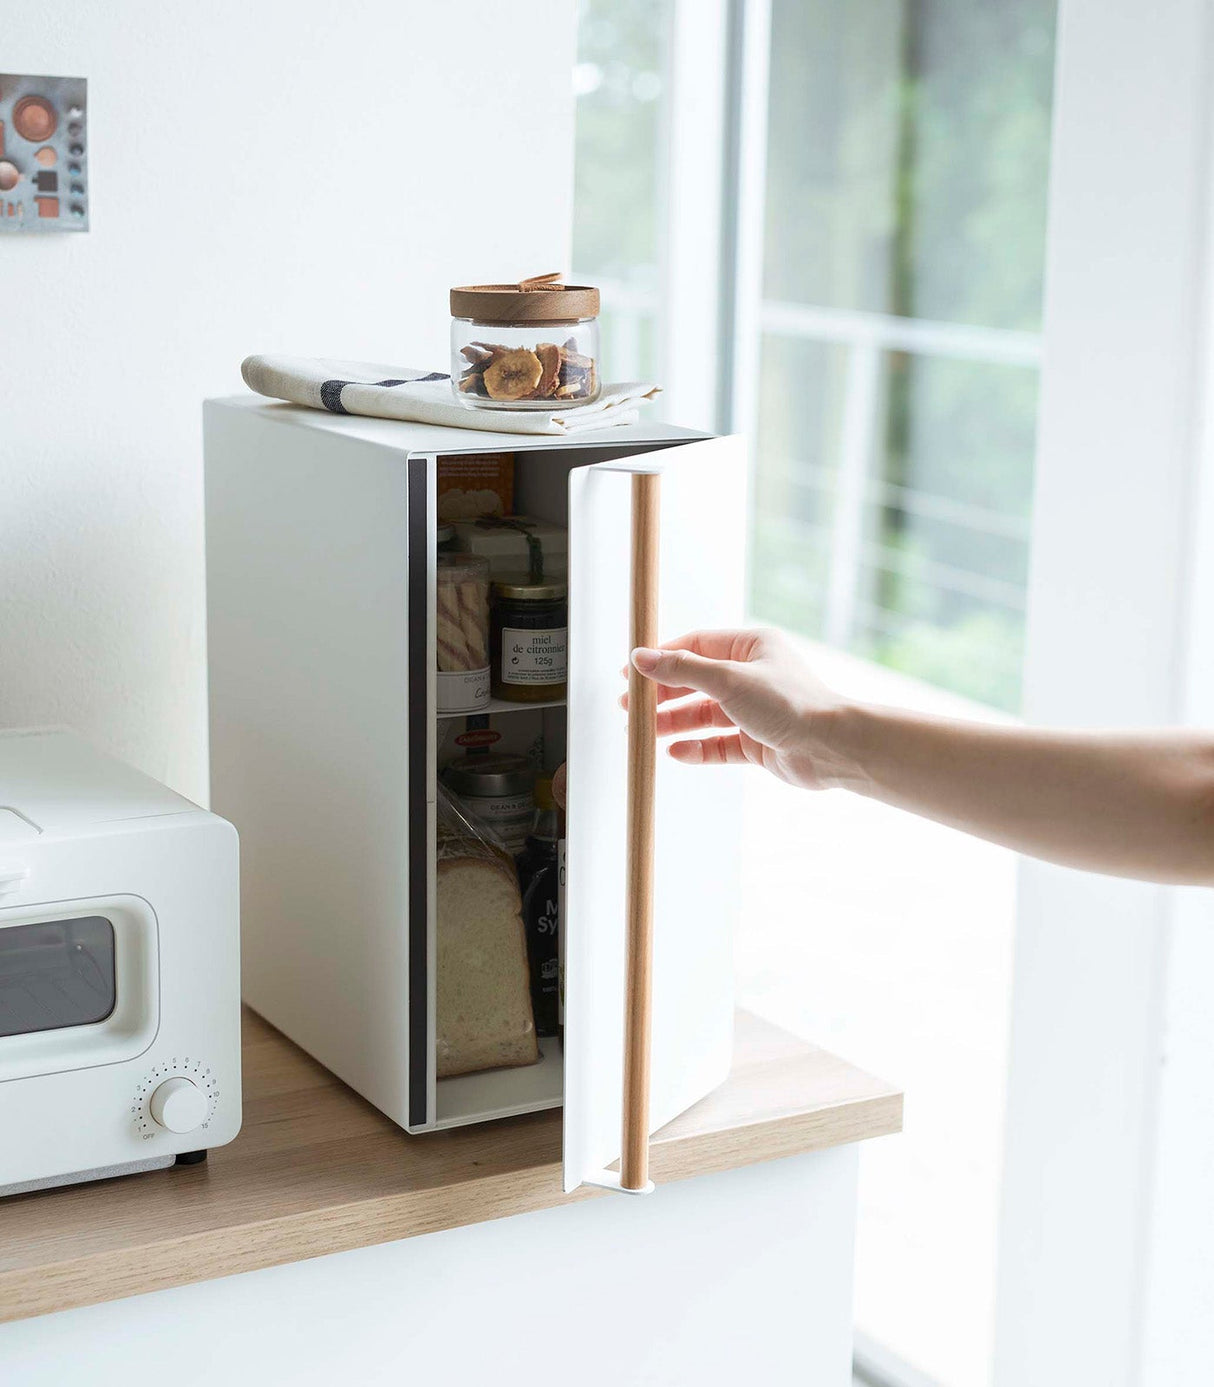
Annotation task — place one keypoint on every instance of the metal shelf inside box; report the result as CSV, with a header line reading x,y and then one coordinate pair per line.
x,y
496,706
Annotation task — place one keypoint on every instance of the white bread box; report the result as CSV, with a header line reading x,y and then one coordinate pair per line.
x,y
326,746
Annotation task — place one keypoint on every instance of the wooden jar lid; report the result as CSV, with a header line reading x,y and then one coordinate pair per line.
x,y
538,300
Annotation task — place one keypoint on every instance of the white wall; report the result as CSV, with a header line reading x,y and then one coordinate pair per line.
x,y
285,175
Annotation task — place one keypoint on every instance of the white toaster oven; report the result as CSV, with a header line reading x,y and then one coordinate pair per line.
x,y
119,968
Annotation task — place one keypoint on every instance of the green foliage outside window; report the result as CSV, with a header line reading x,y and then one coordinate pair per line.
x,y
908,145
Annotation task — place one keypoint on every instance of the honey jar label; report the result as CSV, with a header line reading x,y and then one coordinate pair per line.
x,y
533,657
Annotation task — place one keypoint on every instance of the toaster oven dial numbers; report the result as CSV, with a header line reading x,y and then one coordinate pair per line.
x,y
178,1096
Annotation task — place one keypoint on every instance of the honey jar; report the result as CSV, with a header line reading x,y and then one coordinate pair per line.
x,y
528,639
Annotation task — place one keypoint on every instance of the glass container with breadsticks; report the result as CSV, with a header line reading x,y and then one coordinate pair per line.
x,y
462,633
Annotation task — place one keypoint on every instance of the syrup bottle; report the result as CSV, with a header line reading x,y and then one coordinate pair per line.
x,y
539,882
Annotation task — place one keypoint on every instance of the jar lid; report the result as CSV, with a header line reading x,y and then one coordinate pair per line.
x,y
528,589
540,299
502,774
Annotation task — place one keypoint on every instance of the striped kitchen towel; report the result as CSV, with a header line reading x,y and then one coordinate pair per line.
x,y
425,397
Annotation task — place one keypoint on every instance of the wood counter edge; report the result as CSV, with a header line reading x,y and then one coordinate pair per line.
x,y
730,1129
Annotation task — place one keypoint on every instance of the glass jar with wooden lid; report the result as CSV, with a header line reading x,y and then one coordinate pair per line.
x,y
530,345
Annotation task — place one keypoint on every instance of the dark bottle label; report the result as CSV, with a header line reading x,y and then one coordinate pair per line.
x,y
542,920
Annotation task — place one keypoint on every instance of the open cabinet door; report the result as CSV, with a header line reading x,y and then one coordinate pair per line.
x,y
703,521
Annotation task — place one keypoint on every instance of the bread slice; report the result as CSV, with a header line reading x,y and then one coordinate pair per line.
x,y
483,1018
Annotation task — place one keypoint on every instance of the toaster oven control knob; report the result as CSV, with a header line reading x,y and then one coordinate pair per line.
x,y
179,1104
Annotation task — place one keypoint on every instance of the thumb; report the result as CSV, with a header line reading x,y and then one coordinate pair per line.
x,y
684,669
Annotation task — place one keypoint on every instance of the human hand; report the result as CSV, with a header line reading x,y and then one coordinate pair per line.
x,y
778,713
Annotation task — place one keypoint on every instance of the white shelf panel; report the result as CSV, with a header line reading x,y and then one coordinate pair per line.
x,y
497,706
503,1092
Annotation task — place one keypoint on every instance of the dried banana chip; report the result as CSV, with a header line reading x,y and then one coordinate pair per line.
x,y
511,375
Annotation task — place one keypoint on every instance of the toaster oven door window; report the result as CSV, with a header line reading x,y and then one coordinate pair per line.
x,y
56,973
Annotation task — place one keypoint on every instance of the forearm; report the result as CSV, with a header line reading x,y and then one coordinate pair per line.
x,y
1129,804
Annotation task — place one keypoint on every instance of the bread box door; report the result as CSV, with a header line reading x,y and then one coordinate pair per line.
x,y
702,526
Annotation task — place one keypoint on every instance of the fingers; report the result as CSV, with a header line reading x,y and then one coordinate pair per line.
x,y
691,717
683,671
732,644
666,692
735,646
710,751
665,695
558,785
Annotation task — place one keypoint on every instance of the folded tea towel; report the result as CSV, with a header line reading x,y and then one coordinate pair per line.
x,y
389,392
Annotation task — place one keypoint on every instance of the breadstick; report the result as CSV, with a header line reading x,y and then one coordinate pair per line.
x,y
475,622
462,627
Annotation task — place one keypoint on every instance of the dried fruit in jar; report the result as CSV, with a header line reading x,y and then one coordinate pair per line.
x,y
512,375
550,359
478,355
577,378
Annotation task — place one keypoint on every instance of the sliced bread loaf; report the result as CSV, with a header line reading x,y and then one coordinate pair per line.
x,y
483,1014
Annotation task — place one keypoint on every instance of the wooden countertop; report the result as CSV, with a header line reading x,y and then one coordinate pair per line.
x,y
317,1170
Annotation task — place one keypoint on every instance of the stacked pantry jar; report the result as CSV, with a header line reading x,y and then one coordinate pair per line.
x,y
531,345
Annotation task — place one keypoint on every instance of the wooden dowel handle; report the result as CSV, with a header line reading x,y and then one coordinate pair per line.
x,y
642,770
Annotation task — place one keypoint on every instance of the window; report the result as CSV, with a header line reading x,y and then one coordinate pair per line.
x,y
904,242
871,240
621,84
